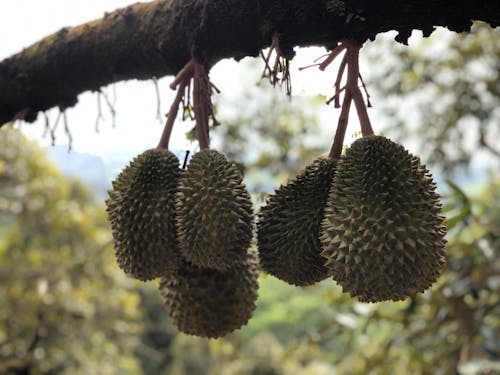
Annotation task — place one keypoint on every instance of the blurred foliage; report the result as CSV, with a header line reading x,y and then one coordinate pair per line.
x,y
453,328
442,92
66,308
271,136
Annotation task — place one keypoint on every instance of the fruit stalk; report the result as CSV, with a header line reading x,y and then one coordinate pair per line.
x,y
172,114
201,91
202,105
351,92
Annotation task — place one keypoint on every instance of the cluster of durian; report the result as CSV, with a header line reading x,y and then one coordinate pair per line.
x,y
191,228
370,220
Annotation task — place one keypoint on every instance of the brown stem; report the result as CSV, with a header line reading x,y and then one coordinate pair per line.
x,y
171,116
342,66
338,142
194,72
185,73
158,99
352,56
336,97
368,103
352,93
281,64
200,114
332,56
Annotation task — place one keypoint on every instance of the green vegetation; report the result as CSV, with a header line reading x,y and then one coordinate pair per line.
x,y
66,307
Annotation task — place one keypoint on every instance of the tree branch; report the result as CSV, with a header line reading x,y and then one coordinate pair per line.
x,y
155,39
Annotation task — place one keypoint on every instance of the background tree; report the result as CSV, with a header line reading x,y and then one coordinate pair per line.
x,y
66,308
442,94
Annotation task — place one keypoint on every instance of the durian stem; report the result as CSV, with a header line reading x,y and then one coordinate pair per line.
x,y
338,142
353,75
201,105
184,74
281,63
332,56
171,116
352,93
342,66
329,58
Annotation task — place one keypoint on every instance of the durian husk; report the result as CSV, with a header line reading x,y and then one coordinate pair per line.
x,y
209,303
214,212
141,210
383,235
289,226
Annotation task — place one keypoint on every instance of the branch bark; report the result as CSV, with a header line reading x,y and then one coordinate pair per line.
x,y
155,39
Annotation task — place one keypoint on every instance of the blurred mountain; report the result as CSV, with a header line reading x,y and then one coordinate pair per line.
x,y
98,171
95,171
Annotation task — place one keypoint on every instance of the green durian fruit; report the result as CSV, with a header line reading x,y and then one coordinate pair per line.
x,y
289,226
383,236
210,303
141,210
214,212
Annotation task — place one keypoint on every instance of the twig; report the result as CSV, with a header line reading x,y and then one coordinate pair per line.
x,y
368,102
114,94
351,91
54,128
172,114
185,160
338,141
99,116
194,71
199,106
185,73
342,67
281,64
67,131
47,125
484,142
336,97
158,100
111,108
330,57
187,108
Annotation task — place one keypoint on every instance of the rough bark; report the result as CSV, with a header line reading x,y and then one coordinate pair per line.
x,y
154,39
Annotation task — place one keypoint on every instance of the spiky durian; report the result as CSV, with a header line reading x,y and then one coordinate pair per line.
x,y
214,212
383,236
210,303
290,225
141,210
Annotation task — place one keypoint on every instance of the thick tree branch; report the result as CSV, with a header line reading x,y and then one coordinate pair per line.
x,y
157,38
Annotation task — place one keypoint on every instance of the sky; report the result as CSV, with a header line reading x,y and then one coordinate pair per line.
x,y
23,22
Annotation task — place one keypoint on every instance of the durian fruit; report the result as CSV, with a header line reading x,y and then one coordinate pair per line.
x,y
289,226
214,212
141,210
210,303
383,236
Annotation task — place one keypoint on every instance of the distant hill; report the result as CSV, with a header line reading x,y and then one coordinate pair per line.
x,y
98,172
92,170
